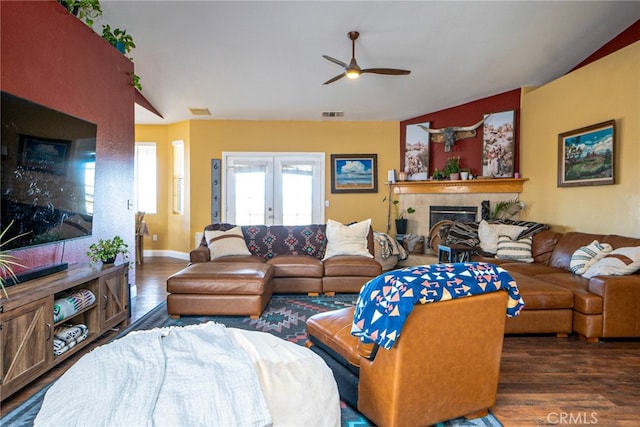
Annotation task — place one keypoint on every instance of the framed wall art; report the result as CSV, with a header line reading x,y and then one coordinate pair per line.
x,y
354,173
586,155
498,144
416,151
43,154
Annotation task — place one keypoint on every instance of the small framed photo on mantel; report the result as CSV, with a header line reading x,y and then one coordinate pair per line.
x,y
586,155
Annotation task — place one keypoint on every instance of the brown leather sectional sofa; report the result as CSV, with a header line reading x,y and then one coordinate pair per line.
x,y
560,302
286,248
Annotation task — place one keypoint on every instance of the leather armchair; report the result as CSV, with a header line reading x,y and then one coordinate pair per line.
x,y
444,365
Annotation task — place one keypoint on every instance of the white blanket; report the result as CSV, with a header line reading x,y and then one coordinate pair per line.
x,y
204,375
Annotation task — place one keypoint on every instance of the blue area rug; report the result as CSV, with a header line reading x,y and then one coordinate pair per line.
x,y
284,316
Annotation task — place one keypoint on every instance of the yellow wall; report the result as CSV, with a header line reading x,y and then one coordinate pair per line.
x,y
208,139
604,90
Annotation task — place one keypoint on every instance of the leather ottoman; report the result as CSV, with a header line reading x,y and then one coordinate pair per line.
x,y
220,288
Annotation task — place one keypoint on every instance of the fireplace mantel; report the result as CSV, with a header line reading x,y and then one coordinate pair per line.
x,y
496,185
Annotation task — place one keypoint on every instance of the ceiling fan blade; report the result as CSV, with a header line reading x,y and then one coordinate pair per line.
x,y
335,61
389,71
338,77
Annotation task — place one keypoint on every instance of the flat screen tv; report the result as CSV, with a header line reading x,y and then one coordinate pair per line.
x,y
48,163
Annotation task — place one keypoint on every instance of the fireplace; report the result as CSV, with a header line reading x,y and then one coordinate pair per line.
x,y
454,213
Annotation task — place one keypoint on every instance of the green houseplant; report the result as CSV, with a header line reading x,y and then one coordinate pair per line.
x,y
107,250
7,261
86,10
452,168
507,209
400,220
122,41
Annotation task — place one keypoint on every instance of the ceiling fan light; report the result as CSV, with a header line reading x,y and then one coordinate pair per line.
x,y
353,74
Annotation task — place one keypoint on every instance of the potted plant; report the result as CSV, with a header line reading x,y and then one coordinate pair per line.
x,y
107,250
507,209
465,173
401,221
452,168
7,261
86,10
438,175
122,41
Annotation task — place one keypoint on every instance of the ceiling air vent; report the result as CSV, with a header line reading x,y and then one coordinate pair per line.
x,y
333,114
200,111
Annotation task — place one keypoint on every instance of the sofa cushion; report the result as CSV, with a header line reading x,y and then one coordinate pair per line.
x,y
489,233
540,295
350,265
585,256
516,250
348,239
296,266
567,245
619,262
543,244
583,301
225,243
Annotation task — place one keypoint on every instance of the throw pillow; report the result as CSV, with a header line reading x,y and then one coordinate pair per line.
x,y
618,262
516,250
586,256
347,239
225,243
489,233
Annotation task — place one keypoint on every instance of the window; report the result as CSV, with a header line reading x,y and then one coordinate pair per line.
x,y
178,177
145,177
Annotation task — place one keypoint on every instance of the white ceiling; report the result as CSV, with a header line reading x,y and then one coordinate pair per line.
x,y
262,60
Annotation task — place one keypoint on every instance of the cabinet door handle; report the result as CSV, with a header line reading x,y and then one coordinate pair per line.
x,y
48,331
106,301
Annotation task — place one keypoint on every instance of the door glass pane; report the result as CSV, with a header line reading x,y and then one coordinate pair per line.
x,y
250,195
297,194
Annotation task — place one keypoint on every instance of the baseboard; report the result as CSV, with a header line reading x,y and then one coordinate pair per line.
x,y
166,253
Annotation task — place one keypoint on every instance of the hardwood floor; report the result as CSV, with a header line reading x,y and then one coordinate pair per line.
x,y
544,380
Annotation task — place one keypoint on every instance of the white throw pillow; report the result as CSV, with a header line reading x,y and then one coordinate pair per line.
x,y
586,256
347,239
489,233
225,243
619,262
516,250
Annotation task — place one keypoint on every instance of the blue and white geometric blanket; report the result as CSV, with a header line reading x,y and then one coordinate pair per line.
x,y
386,301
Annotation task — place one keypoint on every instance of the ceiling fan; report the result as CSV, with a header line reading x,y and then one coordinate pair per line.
x,y
353,70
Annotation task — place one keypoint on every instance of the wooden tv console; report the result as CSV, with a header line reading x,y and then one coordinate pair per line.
x,y
26,319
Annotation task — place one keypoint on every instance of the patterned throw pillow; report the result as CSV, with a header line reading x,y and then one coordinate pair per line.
x,y
347,239
489,234
619,262
516,250
225,243
586,256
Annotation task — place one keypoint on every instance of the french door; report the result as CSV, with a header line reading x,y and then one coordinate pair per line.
x,y
273,188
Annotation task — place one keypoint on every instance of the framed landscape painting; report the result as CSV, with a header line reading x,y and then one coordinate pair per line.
x,y
586,155
354,173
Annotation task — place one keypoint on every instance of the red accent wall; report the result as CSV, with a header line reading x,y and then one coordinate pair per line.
x,y
469,150
52,58
625,38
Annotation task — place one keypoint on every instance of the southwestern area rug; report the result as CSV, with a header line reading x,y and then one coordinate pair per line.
x,y
284,317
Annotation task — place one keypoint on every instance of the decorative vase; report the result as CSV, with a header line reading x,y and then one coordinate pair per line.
x,y
454,176
401,226
464,176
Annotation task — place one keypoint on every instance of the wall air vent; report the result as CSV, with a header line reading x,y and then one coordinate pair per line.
x,y
200,111
333,114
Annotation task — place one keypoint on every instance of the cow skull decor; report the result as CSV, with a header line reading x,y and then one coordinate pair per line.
x,y
450,135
